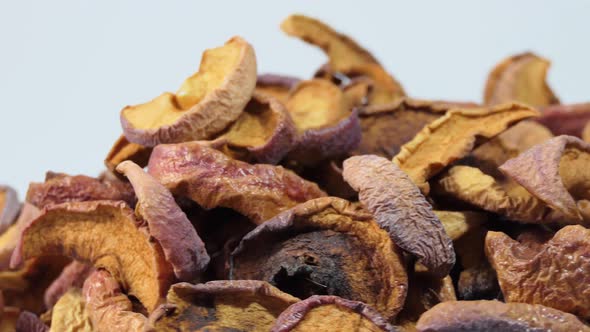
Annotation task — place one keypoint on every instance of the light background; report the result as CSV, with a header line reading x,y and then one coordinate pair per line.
x,y
68,67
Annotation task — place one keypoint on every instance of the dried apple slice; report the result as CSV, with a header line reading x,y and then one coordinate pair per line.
x,y
325,246
326,126
325,313
212,179
104,234
124,150
453,136
240,305
345,56
61,188
459,223
9,207
555,172
277,86
70,313
167,223
9,239
108,308
401,210
205,104
475,316
521,78
71,277
565,119
263,133
555,273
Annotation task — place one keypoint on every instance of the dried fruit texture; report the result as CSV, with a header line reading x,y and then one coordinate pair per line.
x,y
401,210
328,175
325,246
385,128
325,313
277,86
107,307
167,223
60,188
345,56
263,133
554,274
205,104
29,322
325,124
453,136
555,172
104,234
71,277
9,207
459,223
586,133
565,119
70,313
9,238
8,319
521,78
241,305
496,316
212,179
124,150
425,291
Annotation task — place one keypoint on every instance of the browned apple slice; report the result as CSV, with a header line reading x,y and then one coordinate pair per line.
x,y
205,104
9,207
274,85
167,223
104,234
124,150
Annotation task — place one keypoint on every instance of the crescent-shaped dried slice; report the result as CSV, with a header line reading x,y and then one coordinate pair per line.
x,y
167,223
476,316
61,188
325,246
104,234
9,239
240,305
453,136
212,179
277,86
70,313
124,150
263,133
107,307
459,223
555,273
401,210
565,119
205,104
326,313
555,172
71,277
9,207
521,78
345,56
326,126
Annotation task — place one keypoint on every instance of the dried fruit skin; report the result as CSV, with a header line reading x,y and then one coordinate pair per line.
x,y
70,313
456,131
241,305
324,313
555,172
277,86
555,274
520,78
496,316
9,207
167,223
9,238
29,322
205,104
263,133
124,150
104,234
400,209
211,179
565,119
72,276
61,188
325,246
108,308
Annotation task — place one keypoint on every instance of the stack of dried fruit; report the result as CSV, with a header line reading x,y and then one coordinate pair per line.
x,y
386,212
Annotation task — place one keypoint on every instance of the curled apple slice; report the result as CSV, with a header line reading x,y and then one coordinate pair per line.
x,y
9,207
277,86
205,104
104,234
124,150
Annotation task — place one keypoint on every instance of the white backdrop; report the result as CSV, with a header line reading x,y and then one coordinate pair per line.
x,y
68,67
